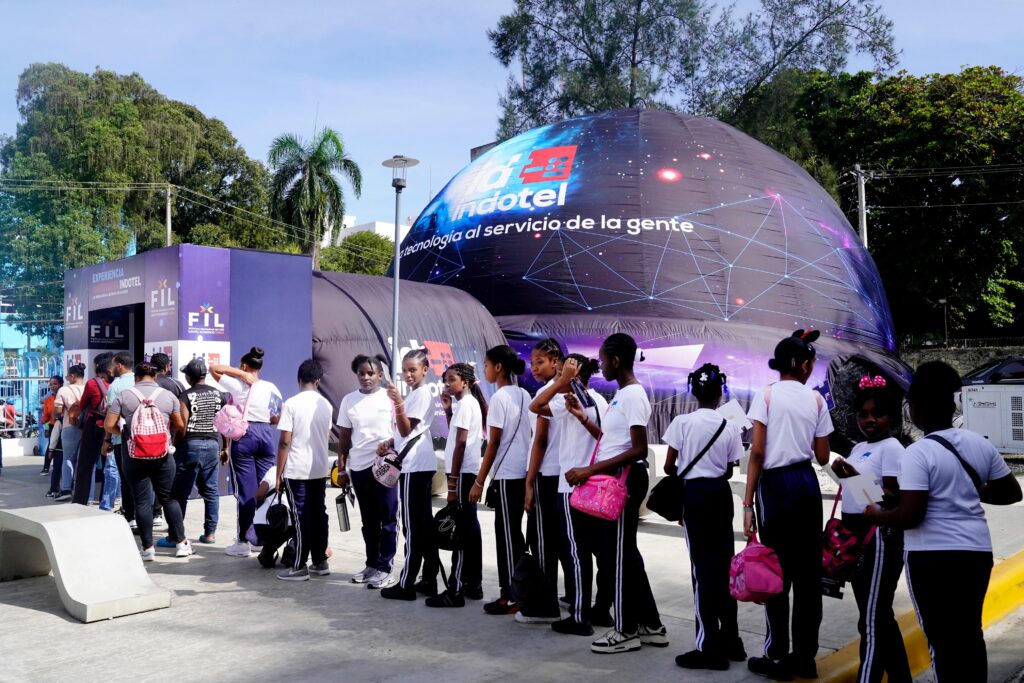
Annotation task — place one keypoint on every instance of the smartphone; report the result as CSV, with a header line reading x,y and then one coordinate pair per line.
x,y
584,397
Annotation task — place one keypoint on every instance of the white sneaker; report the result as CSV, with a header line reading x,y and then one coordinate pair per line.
x,y
238,549
362,576
658,637
614,642
184,549
381,580
159,521
148,555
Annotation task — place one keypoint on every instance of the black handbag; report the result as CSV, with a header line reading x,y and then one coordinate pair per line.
x,y
491,495
666,498
448,527
279,517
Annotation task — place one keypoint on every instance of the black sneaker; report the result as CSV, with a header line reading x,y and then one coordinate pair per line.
x,y
44,472
501,606
425,587
62,496
396,592
571,627
474,592
602,618
446,599
735,652
267,561
695,659
803,668
776,669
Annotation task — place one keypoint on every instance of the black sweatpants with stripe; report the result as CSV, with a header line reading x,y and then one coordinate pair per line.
x,y
789,520
707,523
467,564
508,529
874,585
309,519
543,537
414,490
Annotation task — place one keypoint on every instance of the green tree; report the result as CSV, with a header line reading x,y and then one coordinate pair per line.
x,y
306,193
582,56
362,252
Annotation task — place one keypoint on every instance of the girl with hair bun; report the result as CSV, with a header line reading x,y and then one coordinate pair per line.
x,y
254,454
707,517
365,417
878,404
508,447
623,444
791,427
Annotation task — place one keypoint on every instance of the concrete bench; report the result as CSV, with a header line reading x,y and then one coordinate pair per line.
x,y
93,555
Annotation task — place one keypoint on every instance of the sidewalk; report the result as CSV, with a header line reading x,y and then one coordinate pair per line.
x,y
232,620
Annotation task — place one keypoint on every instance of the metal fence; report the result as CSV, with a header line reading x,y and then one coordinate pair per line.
x,y
23,385
967,343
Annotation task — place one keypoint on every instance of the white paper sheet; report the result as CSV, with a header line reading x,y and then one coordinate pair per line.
x,y
732,412
860,489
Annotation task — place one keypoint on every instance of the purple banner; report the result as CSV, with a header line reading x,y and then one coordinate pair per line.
x,y
108,329
204,294
117,283
162,288
76,307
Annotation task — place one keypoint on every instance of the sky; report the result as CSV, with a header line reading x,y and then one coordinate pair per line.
x,y
394,77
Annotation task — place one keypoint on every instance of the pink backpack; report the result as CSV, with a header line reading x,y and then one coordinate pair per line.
x,y
755,573
150,435
602,496
232,422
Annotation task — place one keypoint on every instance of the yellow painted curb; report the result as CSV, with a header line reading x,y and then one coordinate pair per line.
x,y
1005,595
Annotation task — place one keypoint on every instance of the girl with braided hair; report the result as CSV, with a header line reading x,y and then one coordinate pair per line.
x,y
702,447
465,408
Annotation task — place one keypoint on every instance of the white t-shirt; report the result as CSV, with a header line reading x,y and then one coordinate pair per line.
x,y
954,519
465,415
549,465
690,433
370,417
265,402
797,414
419,405
880,459
307,415
509,410
575,445
261,512
630,407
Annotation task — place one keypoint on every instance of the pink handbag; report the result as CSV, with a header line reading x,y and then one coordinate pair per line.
x,y
602,496
232,422
755,573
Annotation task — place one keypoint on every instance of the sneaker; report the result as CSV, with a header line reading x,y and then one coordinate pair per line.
x,y
695,659
396,592
474,592
52,494
571,627
158,520
803,668
148,555
446,599
775,669
322,569
43,472
524,618
425,587
382,580
301,574
501,606
602,618
374,576
361,577
735,652
183,549
614,642
265,561
656,636
238,549
166,542
208,539
62,496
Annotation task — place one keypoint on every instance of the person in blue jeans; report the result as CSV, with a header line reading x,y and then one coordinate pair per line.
x,y
198,454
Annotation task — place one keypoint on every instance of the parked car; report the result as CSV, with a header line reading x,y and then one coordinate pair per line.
x,y
1009,369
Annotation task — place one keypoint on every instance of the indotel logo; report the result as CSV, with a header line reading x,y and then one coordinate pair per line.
x,y
547,165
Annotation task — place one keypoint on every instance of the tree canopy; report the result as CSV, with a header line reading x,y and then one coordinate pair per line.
x,y
362,252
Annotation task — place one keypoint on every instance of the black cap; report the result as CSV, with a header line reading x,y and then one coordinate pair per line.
x,y
195,368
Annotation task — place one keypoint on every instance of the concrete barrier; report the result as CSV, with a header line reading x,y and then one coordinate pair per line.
x,y
92,554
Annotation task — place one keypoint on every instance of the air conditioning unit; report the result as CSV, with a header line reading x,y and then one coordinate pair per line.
x,y
996,411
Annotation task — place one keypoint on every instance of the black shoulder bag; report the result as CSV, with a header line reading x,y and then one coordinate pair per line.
x,y
666,497
491,495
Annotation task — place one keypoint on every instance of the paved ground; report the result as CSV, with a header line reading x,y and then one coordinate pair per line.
x,y
232,620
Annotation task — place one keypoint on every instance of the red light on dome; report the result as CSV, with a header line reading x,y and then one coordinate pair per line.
x,y
705,156
740,302
669,175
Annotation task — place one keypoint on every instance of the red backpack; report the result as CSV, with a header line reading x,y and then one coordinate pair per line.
x,y
151,436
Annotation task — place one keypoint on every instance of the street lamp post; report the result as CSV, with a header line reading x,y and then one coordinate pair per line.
x,y
945,320
398,165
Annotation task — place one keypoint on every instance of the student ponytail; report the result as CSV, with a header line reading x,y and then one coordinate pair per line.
x,y
511,364
793,351
419,356
588,366
467,374
254,359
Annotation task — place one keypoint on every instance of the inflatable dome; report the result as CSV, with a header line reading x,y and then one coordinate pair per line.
x,y
702,242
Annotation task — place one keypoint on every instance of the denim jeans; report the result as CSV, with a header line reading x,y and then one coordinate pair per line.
x,y
70,437
198,462
111,481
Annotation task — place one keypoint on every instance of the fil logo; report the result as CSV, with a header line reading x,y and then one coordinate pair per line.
x,y
73,311
162,296
547,165
106,329
206,318
440,355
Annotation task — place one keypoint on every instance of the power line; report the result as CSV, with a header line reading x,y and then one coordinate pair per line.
x,y
947,206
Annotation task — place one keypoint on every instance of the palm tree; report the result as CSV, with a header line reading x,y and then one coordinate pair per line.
x,y
305,192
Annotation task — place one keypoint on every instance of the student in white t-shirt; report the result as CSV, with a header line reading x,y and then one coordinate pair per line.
x,y
707,517
508,448
944,478
878,404
579,427
465,408
366,418
623,444
412,441
303,465
256,452
791,428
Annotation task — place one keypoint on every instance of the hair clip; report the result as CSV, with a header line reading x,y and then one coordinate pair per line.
x,y
869,382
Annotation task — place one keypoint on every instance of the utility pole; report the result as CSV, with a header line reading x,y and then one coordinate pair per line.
x,y
862,209
167,214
